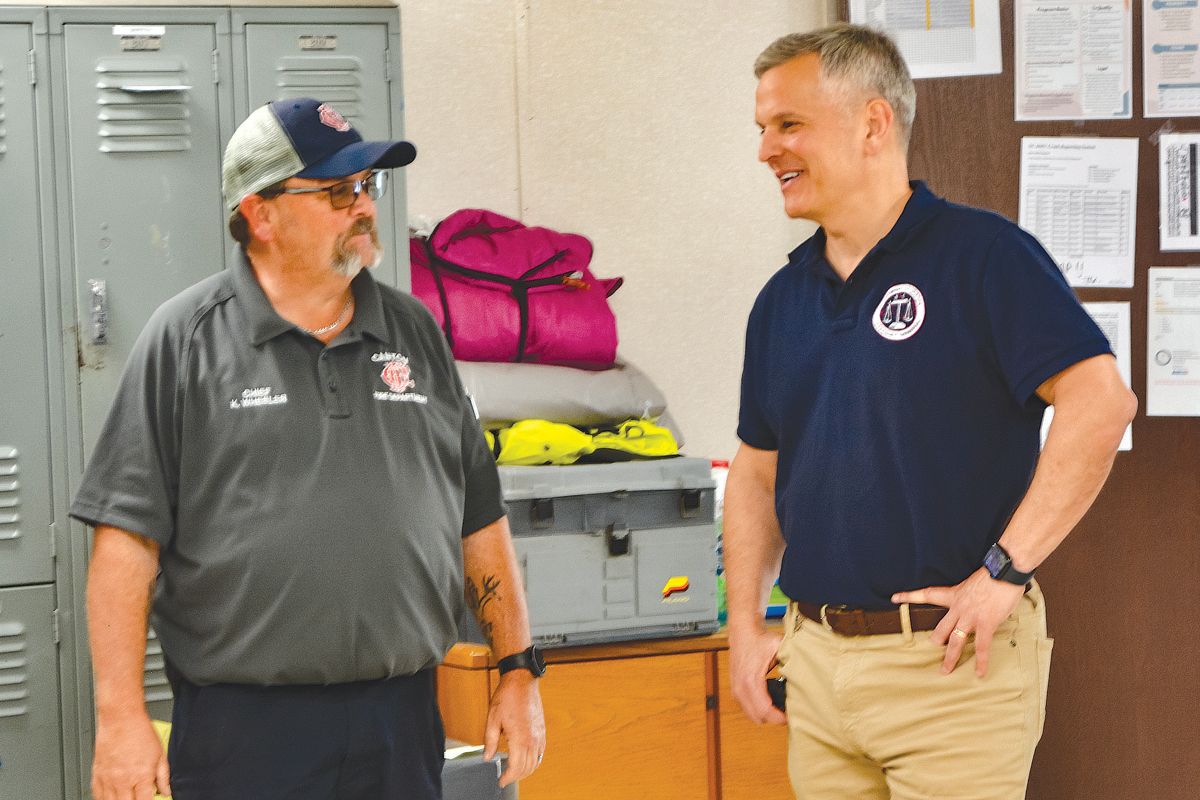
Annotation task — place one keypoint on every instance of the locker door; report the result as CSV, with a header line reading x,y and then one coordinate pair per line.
x,y
30,758
144,173
345,65
25,505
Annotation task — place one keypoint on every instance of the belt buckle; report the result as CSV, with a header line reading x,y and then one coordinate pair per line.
x,y
851,621
839,610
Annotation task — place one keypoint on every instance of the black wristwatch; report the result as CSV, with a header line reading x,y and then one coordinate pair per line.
x,y
999,565
530,659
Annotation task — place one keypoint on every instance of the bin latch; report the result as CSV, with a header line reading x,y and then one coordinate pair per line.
x,y
541,514
689,503
617,540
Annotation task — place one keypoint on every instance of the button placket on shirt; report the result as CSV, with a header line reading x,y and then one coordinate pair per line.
x,y
845,315
849,296
330,384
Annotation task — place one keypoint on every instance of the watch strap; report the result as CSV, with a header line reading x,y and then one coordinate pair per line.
x,y
999,565
529,658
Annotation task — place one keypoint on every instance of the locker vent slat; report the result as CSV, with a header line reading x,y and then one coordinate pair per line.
x,y
10,494
142,105
14,687
154,676
334,79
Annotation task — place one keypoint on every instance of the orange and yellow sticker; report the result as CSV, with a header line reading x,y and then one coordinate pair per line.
x,y
677,584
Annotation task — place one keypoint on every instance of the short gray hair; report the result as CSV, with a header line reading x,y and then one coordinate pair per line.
x,y
862,57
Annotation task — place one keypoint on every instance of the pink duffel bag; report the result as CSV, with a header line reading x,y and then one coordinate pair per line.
x,y
502,291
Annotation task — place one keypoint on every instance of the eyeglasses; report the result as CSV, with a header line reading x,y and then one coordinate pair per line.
x,y
345,193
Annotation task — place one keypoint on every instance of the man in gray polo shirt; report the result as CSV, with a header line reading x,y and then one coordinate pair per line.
x,y
292,485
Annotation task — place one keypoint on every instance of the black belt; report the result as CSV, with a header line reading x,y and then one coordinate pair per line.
x,y
849,621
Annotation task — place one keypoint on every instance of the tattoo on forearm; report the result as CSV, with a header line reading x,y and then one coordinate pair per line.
x,y
478,599
487,627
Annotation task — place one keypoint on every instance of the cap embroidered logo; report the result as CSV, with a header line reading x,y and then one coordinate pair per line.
x,y
332,118
900,313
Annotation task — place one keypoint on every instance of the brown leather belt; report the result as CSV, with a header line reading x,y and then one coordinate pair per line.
x,y
870,621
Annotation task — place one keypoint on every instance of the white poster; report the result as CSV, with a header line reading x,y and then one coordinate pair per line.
x,y
1079,198
938,38
1173,342
1074,60
1178,212
1171,58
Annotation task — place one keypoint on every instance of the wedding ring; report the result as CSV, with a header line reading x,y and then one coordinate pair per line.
x,y
957,632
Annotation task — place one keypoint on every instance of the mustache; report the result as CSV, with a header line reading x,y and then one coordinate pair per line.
x,y
362,225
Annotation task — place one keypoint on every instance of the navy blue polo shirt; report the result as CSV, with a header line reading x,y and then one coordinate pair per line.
x,y
309,499
902,401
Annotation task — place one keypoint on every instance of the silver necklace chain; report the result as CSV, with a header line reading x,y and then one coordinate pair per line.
x,y
336,322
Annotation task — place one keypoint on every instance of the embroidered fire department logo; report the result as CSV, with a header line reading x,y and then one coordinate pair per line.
x,y
900,313
397,376
332,118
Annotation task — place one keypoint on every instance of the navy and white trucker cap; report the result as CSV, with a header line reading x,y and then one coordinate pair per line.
x,y
300,138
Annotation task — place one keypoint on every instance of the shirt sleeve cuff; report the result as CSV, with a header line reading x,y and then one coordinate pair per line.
x,y
1027,389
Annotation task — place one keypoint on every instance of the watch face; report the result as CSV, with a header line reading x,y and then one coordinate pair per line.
x,y
996,561
539,660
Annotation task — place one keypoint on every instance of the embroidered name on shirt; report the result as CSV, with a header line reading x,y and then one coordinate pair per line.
x,y
398,376
258,397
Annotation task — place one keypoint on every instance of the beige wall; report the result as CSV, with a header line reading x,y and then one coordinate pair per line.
x,y
632,123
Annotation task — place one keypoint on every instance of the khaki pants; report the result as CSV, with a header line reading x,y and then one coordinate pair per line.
x,y
873,717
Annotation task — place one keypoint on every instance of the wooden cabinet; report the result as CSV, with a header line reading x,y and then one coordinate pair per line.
x,y
630,720
753,757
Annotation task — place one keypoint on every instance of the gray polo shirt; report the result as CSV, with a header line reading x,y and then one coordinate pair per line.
x,y
309,500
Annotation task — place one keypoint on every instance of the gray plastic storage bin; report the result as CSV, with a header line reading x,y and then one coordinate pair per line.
x,y
471,778
612,552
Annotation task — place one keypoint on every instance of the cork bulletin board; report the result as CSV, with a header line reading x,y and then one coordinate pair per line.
x,y
1123,591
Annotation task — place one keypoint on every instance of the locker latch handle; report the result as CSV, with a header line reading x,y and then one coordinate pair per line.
x,y
99,311
133,89
689,504
541,514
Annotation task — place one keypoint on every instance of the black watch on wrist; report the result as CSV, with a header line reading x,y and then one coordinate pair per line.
x,y
999,565
530,659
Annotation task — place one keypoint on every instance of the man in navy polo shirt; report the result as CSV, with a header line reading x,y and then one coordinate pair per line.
x,y
292,485
895,378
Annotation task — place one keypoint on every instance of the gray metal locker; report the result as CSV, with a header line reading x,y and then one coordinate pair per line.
x,y
25,504
142,107
30,756
143,175
159,699
113,120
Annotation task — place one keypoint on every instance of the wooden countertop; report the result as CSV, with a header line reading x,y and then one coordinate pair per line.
x,y
468,655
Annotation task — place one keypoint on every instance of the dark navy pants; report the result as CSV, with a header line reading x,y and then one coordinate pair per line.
x,y
373,740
